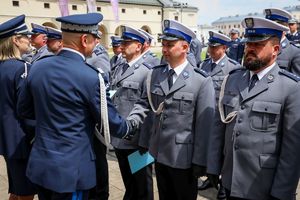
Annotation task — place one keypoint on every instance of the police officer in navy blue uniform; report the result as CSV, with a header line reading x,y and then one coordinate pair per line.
x,y
149,57
293,35
15,134
54,40
235,50
129,86
289,54
117,58
63,93
182,98
255,141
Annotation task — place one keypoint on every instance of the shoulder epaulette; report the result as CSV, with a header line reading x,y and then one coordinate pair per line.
x,y
201,71
98,52
290,75
237,70
148,65
153,54
162,65
233,61
294,44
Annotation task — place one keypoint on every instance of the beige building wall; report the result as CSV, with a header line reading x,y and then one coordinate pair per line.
x,y
138,16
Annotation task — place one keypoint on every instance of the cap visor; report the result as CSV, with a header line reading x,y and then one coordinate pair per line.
x,y
169,38
255,39
213,44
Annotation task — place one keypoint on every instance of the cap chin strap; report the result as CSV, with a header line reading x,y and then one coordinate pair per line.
x,y
230,117
148,85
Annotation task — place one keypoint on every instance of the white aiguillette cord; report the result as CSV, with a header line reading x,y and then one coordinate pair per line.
x,y
104,115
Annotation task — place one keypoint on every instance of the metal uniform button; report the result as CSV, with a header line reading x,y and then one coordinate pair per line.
x,y
236,146
239,120
238,133
165,116
242,107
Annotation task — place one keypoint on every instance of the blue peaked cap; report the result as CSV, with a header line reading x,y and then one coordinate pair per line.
x,y
115,41
173,30
81,23
38,29
53,33
130,33
259,29
216,39
276,14
14,26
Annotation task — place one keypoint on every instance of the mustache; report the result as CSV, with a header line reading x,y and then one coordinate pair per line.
x,y
251,54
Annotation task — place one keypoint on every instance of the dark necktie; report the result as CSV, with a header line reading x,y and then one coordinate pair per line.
x,y
213,65
253,81
170,77
124,68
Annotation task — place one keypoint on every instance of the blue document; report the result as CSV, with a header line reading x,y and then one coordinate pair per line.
x,y
138,161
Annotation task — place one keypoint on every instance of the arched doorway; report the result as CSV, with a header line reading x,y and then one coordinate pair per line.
x,y
118,31
104,39
147,29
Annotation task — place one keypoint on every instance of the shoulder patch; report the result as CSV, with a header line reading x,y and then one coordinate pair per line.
x,y
202,72
98,52
162,65
237,70
148,65
290,75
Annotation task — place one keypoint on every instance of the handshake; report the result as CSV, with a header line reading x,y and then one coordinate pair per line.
x,y
132,129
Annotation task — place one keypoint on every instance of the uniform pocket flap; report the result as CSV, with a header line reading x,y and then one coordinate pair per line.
x,y
184,138
266,107
184,96
131,84
230,100
267,161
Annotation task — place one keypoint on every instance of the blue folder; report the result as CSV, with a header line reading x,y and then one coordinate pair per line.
x,y
138,161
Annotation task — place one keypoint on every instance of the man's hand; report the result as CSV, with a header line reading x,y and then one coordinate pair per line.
x,y
142,150
198,170
132,128
214,180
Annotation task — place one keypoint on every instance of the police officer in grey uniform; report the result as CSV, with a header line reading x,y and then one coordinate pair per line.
x,y
100,58
182,98
117,58
39,41
195,50
149,57
217,66
289,54
128,86
255,142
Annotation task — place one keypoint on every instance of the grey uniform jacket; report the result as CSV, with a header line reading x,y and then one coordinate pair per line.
x,y
260,147
180,133
100,59
289,57
42,52
223,68
129,87
150,59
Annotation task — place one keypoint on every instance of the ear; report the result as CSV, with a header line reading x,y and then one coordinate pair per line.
x,y
15,40
84,40
185,46
276,49
139,47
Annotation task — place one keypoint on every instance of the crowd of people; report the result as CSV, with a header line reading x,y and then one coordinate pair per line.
x,y
233,117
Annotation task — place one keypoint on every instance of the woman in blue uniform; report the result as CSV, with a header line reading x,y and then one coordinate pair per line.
x,y
15,135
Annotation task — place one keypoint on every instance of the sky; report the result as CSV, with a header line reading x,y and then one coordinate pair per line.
x,y
211,10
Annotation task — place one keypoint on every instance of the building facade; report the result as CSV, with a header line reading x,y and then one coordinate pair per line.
x,y
146,14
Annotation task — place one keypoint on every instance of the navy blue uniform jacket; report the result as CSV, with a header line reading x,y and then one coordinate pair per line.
x,y
62,93
14,143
